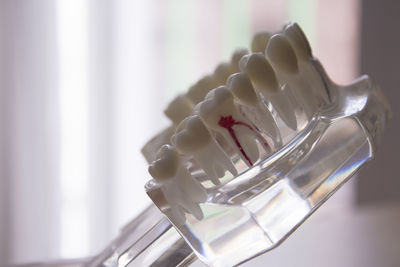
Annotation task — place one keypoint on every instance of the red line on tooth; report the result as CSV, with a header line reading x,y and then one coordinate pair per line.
x,y
228,122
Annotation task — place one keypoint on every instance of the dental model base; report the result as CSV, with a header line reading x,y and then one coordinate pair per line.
x,y
253,150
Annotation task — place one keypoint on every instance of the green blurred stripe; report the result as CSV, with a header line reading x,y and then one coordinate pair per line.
x,y
180,45
304,13
236,28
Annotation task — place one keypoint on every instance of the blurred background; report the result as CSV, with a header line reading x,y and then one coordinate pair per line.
x,y
83,85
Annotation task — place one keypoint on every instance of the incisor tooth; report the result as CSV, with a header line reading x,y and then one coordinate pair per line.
x,y
260,41
180,189
265,81
303,51
179,108
283,58
243,90
193,138
220,114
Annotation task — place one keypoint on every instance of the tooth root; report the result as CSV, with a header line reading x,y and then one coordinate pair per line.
x,y
268,125
247,141
301,91
190,186
193,138
282,106
214,162
177,184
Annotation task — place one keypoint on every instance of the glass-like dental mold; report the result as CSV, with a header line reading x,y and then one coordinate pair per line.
x,y
258,146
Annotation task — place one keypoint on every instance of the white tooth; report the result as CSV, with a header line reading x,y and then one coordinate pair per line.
x,y
193,138
180,189
243,90
243,62
219,113
265,81
302,48
179,108
199,90
283,58
222,72
260,41
299,41
165,165
236,57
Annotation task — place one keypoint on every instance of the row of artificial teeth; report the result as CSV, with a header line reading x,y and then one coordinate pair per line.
x,y
210,107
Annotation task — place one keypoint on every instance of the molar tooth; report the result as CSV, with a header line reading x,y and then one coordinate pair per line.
x,y
236,57
180,189
260,41
199,90
179,108
243,90
219,113
282,56
193,138
299,42
265,81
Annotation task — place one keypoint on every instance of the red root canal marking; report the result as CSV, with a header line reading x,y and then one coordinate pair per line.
x,y
228,122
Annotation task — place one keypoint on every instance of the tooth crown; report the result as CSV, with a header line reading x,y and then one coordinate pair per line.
x,y
191,135
241,87
222,72
299,41
166,164
179,108
261,73
198,91
281,54
236,57
260,41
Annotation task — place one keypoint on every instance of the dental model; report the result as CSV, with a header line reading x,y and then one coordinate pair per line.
x,y
180,189
220,114
238,218
265,81
193,138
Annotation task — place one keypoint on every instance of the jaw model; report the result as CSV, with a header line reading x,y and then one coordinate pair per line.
x,y
257,83
321,134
